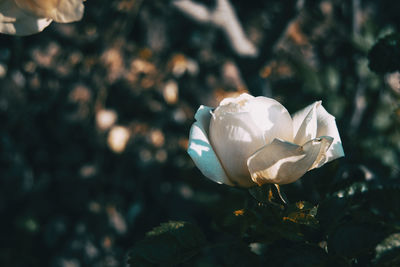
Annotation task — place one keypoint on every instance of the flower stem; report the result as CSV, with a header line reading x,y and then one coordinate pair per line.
x,y
282,195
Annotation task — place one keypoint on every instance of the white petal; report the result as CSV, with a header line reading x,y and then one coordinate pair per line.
x,y
326,126
283,162
234,137
242,125
236,100
201,151
13,20
268,115
271,117
307,130
300,116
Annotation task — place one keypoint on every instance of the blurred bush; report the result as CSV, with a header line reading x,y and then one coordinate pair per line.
x,y
95,117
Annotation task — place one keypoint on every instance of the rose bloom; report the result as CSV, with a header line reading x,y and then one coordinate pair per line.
x,y
24,17
249,140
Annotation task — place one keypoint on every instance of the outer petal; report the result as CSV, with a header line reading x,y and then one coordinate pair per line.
x,y
300,116
308,128
268,115
283,162
234,136
13,20
59,10
272,118
236,100
201,151
326,126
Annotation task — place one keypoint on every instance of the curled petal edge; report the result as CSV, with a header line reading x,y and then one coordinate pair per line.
x,y
282,162
307,129
326,126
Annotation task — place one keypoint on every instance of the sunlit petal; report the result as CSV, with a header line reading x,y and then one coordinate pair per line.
x,y
327,127
243,98
307,129
299,116
271,117
283,162
234,136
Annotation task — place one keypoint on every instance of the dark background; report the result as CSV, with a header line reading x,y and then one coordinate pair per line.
x,y
67,199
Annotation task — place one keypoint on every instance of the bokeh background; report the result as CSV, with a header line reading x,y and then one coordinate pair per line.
x,y
95,117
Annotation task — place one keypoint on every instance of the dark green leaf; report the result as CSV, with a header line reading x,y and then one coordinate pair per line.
x,y
295,254
330,212
235,254
354,240
239,255
168,244
371,207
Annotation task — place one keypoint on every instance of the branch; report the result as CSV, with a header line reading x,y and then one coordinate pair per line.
x,y
360,102
222,17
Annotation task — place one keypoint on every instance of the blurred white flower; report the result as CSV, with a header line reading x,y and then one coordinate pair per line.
x,y
170,92
24,17
250,140
106,118
118,138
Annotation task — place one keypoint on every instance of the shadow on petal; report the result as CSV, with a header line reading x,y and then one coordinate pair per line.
x,y
204,157
283,162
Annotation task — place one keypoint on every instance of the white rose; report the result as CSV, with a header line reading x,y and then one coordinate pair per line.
x,y
250,140
24,17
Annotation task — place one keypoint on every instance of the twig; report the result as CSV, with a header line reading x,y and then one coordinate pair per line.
x,y
222,17
360,103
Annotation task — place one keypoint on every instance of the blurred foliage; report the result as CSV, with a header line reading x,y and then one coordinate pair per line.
x,y
385,54
95,117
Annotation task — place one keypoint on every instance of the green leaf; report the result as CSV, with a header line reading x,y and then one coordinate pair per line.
x,y
354,240
295,254
388,251
371,207
386,203
331,212
168,244
236,255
